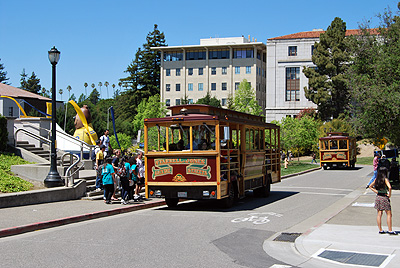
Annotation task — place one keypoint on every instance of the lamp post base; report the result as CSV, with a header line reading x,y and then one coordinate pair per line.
x,y
53,179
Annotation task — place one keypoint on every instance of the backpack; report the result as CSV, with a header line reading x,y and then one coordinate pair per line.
x,y
121,170
93,156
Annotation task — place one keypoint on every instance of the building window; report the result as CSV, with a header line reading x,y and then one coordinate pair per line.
x,y
237,69
190,71
218,54
10,111
190,87
223,86
168,87
178,71
293,51
178,87
168,72
213,86
312,50
167,102
224,70
213,70
177,101
173,56
237,85
243,53
190,101
196,55
200,86
223,102
200,71
248,69
293,84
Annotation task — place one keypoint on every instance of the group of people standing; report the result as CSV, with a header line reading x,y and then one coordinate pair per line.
x,y
116,172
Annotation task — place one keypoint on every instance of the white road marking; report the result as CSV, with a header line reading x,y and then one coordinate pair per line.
x,y
367,205
316,188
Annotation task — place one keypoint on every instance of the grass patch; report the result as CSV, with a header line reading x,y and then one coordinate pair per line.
x,y
365,160
8,182
296,167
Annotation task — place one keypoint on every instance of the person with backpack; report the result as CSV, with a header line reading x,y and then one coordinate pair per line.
x,y
94,152
99,163
133,175
108,174
115,164
123,171
140,174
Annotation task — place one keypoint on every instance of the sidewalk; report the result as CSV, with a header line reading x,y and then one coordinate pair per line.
x,y
17,220
345,233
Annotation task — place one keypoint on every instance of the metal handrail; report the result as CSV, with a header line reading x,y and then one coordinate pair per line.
x,y
74,140
70,177
32,135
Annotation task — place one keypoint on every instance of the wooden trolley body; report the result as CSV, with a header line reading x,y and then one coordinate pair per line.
x,y
338,149
204,152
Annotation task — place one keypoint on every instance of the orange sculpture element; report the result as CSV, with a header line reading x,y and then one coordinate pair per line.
x,y
84,130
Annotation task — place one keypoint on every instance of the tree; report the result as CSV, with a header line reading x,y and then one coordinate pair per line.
x,y
61,92
3,75
143,78
208,100
106,84
72,97
32,84
100,84
299,135
45,93
81,99
94,96
69,91
374,79
327,86
245,100
85,85
113,86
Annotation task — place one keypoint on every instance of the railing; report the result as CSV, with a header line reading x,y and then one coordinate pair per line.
x,y
31,135
69,178
74,140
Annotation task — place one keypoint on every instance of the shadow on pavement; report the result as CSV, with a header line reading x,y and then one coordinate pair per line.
x,y
248,203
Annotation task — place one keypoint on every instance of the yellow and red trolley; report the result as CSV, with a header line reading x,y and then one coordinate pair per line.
x,y
338,149
202,152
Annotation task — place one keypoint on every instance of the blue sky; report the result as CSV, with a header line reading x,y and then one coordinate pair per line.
x,y
98,39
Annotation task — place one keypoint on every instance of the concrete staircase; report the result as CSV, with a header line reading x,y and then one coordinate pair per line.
x,y
39,151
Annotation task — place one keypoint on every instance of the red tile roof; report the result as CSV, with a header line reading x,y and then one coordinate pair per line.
x,y
316,34
14,92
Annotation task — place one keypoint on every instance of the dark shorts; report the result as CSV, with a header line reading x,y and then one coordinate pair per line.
x,y
140,181
382,203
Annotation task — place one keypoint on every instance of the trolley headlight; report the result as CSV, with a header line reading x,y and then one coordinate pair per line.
x,y
158,193
206,193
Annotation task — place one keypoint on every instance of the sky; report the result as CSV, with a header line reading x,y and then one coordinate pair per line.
x,y
99,39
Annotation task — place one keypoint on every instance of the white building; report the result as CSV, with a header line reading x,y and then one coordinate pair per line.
x,y
217,65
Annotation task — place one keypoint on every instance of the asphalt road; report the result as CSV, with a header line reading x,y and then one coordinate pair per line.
x,y
195,234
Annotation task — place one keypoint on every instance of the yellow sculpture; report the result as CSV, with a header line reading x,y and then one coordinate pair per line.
x,y
83,124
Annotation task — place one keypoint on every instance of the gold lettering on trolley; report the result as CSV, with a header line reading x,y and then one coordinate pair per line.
x,y
195,166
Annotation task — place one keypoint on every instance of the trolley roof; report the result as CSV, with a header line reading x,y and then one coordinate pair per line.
x,y
201,112
337,136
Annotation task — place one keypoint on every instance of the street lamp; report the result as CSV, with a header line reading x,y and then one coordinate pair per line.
x,y
53,179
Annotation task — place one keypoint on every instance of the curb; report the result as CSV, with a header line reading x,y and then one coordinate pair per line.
x,y
74,219
300,173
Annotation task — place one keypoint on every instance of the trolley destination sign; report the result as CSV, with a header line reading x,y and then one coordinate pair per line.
x,y
195,166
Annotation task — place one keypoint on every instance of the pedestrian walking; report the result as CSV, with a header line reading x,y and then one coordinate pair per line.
x,y
105,140
108,180
381,186
314,158
99,163
375,164
140,175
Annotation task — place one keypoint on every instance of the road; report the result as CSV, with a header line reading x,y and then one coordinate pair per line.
x,y
194,234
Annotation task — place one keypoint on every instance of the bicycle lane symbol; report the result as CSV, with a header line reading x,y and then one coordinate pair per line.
x,y
257,218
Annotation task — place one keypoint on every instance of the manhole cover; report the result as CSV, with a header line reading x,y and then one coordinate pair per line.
x,y
287,237
366,259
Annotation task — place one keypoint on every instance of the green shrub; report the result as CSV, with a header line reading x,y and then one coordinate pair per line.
x,y
8,182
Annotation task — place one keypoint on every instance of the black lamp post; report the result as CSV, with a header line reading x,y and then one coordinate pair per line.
x,y
53,179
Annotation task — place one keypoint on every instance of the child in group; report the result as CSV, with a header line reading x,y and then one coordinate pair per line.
x,y
107,171
133,177
381,186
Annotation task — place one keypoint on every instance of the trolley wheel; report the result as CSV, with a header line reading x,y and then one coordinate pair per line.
x,y
325,167
230,200
265,190
171,202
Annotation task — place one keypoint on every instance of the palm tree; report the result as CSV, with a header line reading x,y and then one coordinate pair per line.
x,y
106,84
120,85
85,85
61,92
69,91
113,86
100,84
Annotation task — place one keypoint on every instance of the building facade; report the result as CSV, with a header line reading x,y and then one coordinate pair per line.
x,y
286,57
217,65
